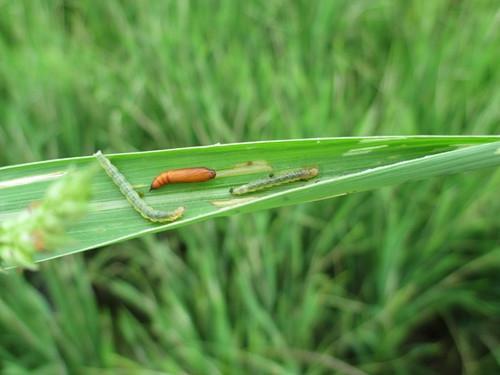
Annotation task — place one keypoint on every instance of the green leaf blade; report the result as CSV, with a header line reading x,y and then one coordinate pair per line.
x,y
346,165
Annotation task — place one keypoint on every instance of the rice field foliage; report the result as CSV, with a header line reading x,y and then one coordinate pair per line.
x,y
403,279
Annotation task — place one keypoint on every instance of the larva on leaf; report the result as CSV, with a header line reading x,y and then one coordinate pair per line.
x,y
133,198
174,176
275,180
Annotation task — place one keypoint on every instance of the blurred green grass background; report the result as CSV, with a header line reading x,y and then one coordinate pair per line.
x,y
399,280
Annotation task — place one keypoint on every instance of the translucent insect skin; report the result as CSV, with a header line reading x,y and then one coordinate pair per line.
x,y
133,198
275,180
174,176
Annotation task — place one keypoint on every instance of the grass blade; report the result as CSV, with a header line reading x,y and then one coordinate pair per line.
x,y
346,165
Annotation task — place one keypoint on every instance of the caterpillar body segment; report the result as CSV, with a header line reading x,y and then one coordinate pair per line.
x,y
275,180
145,210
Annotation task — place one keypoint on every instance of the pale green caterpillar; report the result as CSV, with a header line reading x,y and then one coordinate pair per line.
x,y
284,178
133,198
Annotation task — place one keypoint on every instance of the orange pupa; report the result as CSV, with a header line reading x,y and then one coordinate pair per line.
x,y
174,176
